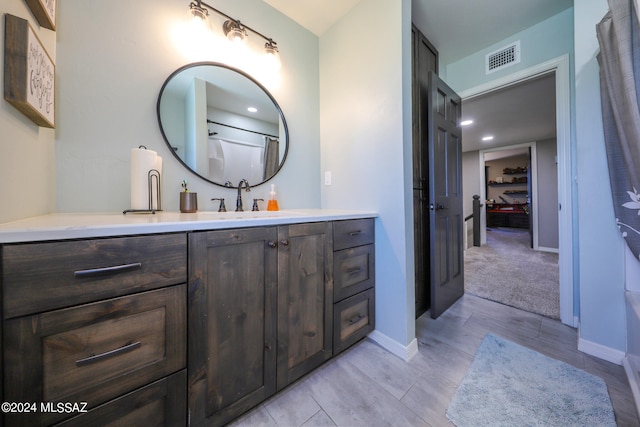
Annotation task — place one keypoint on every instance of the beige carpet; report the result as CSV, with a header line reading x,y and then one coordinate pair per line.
x,y
508,271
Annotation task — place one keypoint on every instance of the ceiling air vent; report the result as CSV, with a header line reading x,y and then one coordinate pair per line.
x,y
502,58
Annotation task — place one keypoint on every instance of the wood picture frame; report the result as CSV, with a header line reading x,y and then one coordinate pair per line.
x,y
44,12
29,73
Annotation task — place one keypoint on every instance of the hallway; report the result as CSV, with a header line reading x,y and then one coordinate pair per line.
x,y
508,271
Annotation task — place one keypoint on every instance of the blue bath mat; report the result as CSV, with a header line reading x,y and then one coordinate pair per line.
x,y
510,385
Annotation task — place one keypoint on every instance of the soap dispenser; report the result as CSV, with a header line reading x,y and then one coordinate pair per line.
x,y
272,204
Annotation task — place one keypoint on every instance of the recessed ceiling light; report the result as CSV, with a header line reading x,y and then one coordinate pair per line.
x,y
466,122
252,109
487,138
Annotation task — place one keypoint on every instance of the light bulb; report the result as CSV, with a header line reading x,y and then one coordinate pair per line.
x,y
234,31
198,12
272,56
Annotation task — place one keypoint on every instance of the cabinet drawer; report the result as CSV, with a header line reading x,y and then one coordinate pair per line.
x,y
354,318
162,403
95,352
353,271
40,277
351,233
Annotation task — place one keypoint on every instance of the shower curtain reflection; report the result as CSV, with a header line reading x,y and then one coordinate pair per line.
x,y
271,160
231,161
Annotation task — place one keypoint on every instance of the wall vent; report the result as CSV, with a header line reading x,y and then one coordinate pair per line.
x,y
503,57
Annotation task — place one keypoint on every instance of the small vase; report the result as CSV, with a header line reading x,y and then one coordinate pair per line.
x,y
188,202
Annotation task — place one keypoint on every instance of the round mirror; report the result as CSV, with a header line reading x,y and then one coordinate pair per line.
x,y
222,124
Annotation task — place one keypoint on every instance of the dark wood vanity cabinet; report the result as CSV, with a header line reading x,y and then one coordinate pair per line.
x,y
259,314
354,275
191,328
100,321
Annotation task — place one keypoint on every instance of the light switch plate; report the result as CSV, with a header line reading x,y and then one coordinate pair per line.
x,y
327,178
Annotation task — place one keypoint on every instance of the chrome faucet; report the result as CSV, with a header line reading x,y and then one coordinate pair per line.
x,y
247,189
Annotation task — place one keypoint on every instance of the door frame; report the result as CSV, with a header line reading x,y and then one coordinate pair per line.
x,y
559,66
534,189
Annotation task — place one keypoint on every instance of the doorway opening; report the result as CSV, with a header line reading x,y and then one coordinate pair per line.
x,y
513,267
558,70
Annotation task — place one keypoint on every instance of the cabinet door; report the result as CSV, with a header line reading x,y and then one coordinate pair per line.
x,y
305,298
232,320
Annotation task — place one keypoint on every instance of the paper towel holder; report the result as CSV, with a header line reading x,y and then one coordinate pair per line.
x,y
154,182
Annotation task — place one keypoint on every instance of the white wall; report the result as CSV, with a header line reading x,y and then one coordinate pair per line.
x,y
601,251
113,58
364,69
27,151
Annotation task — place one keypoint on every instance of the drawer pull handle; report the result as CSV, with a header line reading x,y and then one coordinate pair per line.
x,y
98,357
354,271
355,233
355,319
107,271
284,242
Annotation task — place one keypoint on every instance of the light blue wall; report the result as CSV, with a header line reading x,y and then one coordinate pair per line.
x,y
602,319
365,137
110,68
549,39
27,151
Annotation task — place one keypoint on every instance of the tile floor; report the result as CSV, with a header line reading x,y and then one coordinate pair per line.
x,y
368,386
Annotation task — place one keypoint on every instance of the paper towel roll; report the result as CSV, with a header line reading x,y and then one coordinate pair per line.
x,y
142,161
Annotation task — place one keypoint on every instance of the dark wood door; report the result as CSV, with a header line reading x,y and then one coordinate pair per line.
x,y
232,322
425,60
530,199
421,250
446,218
305,299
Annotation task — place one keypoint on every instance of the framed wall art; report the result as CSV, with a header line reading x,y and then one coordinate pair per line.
x,y
44,11
29,73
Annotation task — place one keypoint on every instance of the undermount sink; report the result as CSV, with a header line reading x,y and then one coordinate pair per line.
x,y
214,215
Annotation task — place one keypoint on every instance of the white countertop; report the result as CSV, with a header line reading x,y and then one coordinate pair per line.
x,y
60,226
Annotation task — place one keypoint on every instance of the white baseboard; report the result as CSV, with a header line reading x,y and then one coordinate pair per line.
x,y
634,379
600,351
545,249
576,321
394,347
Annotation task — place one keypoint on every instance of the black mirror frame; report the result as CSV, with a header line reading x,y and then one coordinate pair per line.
x,y
218,64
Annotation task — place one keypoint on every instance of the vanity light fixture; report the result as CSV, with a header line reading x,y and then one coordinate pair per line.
x,y
234,30
198,11
271,54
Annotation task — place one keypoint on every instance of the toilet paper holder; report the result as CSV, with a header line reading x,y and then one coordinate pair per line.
x,y
154,184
